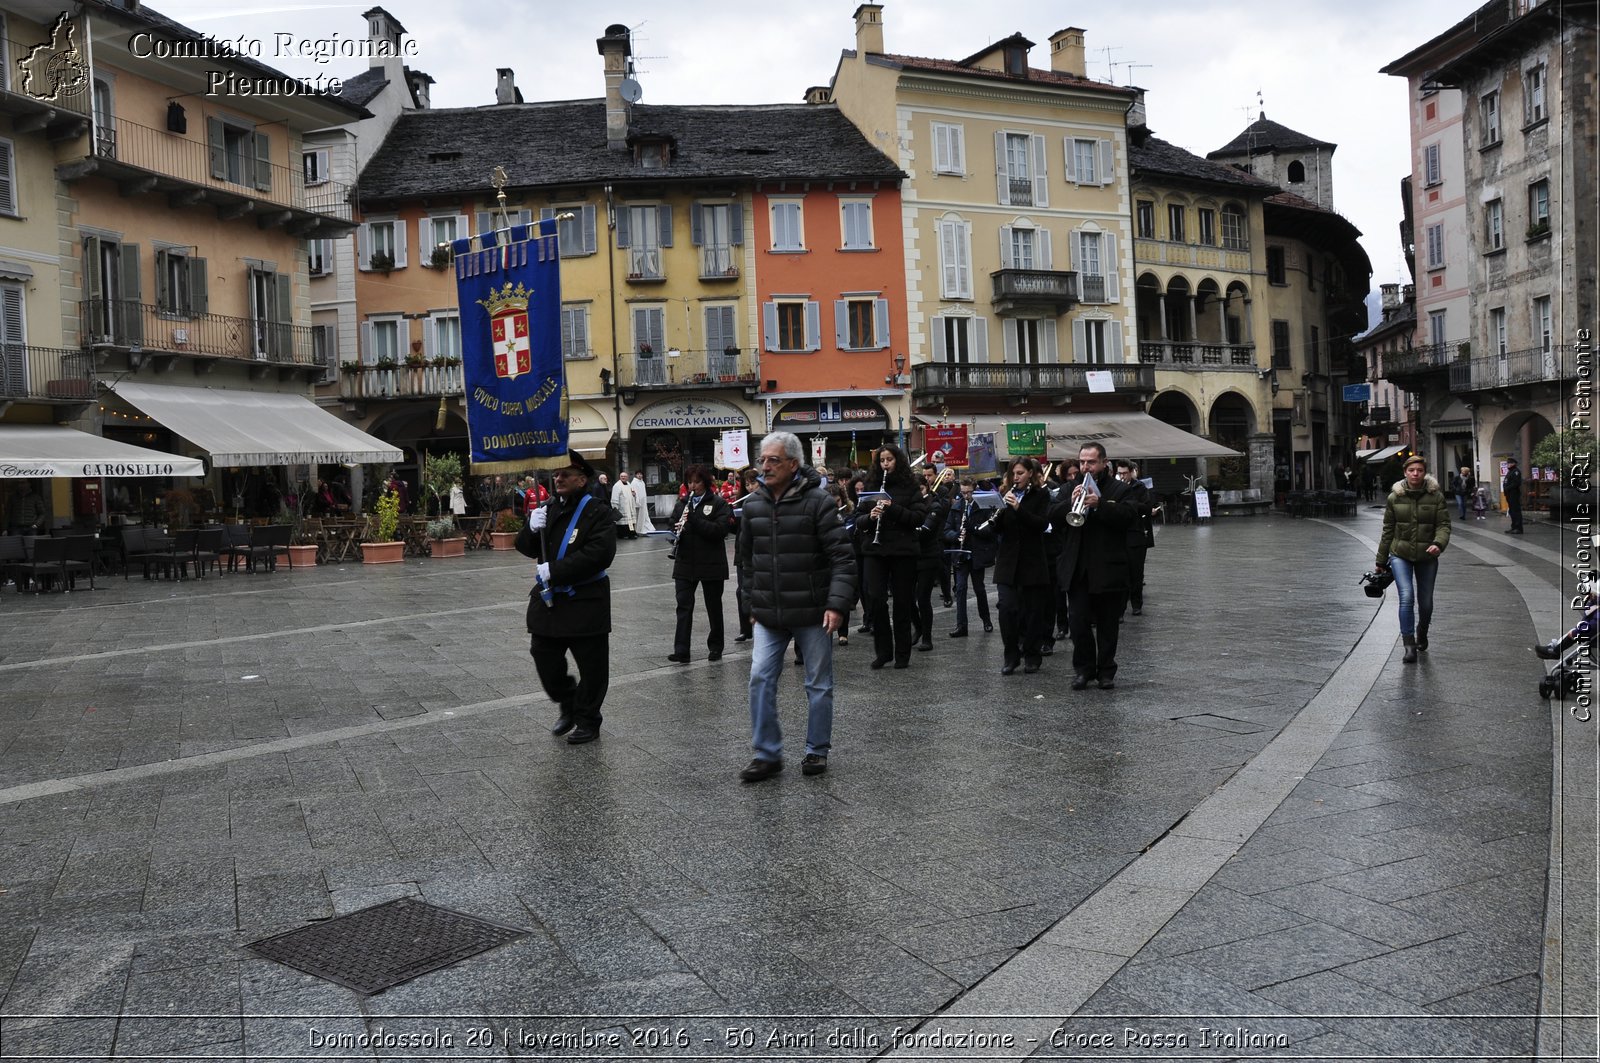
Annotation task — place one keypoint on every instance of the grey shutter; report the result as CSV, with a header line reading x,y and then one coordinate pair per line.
x,y
979,336
947,259
1075,249
1109,266
1001,180
769,325
1107,162
586,219
623,238
714,342
1079,351
1041,173
163,288
365,354
131,329
430,325
664,218
880,319
938,338
216,149
399,230
1007,261
93,292
566,331
1115,350
1045,259
1047,341
580,332
263,174
481,220
697,229
364,246
657,319
283,313
8,187
841,324
199,295
1008,337
736,223
813,326
1072,160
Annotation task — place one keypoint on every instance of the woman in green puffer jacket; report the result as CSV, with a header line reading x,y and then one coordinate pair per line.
x,y
1416,529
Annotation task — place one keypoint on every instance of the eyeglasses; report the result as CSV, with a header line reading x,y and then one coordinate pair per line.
x,y
771,459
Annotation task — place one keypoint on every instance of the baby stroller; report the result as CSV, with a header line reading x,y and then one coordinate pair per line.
x,y
1574,653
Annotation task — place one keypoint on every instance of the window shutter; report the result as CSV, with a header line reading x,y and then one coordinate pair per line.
x,y
199,297
769,325
1117,354
1110,265
11,324
813,326
623,238
697,229
736,223
567,322
1045,258
964,260
1006,259
131,324
1047,341
941,147
980,339
1107,174
283,313
1001,181
1075,249
368,357
880,319
93,290
1079,341
664,217
216,149
1008,335
658,330
958,149
947,259
938,338
399,231
481,222
263,174
163,288
430,326
8,185
1041,173
1071,155
586,221
841,324
364,245
580,332
714,340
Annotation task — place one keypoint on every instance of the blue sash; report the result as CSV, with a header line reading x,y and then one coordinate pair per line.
x,y
571,589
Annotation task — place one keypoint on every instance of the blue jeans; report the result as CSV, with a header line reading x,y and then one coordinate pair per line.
x,y
1414,581
766,665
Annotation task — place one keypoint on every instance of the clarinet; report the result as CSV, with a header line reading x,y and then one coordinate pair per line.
x,y
961,536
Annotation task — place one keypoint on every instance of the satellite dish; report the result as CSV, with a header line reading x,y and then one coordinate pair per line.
x,y
630,90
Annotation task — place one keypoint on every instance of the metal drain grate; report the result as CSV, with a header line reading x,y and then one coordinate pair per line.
x,y
384,945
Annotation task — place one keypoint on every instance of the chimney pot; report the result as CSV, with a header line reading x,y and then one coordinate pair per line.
x,y
1066,52
505,87
869,29
617,51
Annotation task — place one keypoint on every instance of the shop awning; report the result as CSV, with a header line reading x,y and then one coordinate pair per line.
x,y
1363,455
1385,454
34,450
242,428
1124,435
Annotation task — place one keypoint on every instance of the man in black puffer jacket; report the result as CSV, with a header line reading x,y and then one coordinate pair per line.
x,y
799,573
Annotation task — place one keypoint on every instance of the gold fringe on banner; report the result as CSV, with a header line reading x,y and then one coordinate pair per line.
x,y
496,468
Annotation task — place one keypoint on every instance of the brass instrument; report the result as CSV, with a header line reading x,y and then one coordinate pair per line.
x,y
1080,504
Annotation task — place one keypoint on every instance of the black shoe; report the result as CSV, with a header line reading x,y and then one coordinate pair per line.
x,y
1138,610
582,735
1108,684
1062,636
948,603
1009,668
988,628
864,629
903,664
959,633
759,769
879,662
564,723
744,638
1030,668
1047,649
678,658
813,764
1546,652
844,640
714,655
1080,681
925,645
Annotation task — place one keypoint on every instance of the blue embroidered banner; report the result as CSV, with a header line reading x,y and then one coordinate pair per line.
x,y
509,289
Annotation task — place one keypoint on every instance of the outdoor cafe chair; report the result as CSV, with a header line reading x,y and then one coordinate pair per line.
x,y
208,550
46,563
78,558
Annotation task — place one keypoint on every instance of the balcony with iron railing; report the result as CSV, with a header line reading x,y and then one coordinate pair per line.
x,y
933,382
359,382
645,265
1034,289
45,374
44,90
1420,361
146,330
1190,355
229,177
719,263
689,369
1536,365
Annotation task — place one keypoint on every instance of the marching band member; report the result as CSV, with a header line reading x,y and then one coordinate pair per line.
x,y
891,550
1021,570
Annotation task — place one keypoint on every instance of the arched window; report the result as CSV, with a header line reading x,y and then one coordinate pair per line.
x,y
1297,172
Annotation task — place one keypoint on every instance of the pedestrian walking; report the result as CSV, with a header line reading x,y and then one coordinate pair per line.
x,y
1143,534
573,537
799,573
891,548
973,554
1094,566
458,500
1021,567
1465,489
1480,503
1416,530
626,504
1512,487
700,521
641,499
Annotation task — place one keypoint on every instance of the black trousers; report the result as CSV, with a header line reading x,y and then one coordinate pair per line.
x,y
944,576
1514,509
581,697
966,573
742,604
1136,575
897,576
1095,620
926,578
712,589
1024,614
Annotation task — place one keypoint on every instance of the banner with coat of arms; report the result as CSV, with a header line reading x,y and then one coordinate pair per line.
x,y
947,445
509,288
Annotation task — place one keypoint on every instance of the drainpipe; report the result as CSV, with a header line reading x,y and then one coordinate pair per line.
x,y
611,301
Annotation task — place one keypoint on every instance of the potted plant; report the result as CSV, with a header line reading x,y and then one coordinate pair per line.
x,y
506,527
381,262
446,543
441,257
302,549
383,548
1539,230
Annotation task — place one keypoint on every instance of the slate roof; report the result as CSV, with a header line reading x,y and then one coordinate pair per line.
x,y
1264,135
360,89
1156,156
453,151
1036,75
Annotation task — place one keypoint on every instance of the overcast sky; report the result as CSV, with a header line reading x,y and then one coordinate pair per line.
x,y
1314,63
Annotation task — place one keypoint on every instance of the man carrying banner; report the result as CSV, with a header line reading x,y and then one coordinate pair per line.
x,y
573,536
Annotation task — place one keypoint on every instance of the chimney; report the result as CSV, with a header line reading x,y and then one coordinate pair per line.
x,y
1391,297
1066,52
419,88
819,94
383,37
1136,114
869,29
615,46
505,86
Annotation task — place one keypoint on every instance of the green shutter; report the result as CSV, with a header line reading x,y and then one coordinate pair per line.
x,y
217,149
263,174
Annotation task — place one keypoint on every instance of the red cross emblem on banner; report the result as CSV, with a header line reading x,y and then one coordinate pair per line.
x,y
509,332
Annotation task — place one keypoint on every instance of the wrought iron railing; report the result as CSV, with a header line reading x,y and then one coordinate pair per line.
x,y
1052,378
52,83
400,382
1023,284
196,162
1188,355
126,323
718,263
1430,358
1532,366
28,372
644,264
690,369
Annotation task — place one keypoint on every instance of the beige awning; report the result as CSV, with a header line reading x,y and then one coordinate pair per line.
x,y
38,450
1124,435
240,428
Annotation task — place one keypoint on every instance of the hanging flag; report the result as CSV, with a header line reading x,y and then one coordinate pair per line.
x,y
819,450
509,290
947,444
717,459
1025,440
736,447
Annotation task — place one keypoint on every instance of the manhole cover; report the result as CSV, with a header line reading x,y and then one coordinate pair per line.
x,y
382,946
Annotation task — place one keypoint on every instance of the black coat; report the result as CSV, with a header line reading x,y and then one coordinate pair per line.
x,y
702,545
1143,534
1102,541
587,610
982,544
930,534
1020,560
898,538
794,556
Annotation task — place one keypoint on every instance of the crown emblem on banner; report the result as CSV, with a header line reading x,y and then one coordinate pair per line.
x,y
508,298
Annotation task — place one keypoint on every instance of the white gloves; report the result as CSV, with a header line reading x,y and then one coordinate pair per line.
x,y
538,518
544,571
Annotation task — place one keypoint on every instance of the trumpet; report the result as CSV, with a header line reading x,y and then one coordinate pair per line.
x,y
1079,512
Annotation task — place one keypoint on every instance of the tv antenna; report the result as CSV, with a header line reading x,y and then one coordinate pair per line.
x,y
1111,67
1137,66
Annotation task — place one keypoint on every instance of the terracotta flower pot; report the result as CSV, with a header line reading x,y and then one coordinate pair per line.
x,y
503,540
382,553
298,556
449,547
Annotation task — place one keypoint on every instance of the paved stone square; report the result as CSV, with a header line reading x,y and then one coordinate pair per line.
x,y
1271,838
